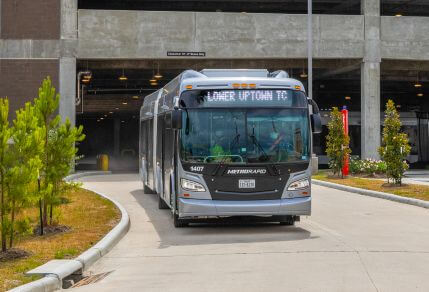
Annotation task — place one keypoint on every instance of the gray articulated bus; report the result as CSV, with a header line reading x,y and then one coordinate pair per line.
x,y
222,143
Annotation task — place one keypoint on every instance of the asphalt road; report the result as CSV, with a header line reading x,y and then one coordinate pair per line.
x,y
350,243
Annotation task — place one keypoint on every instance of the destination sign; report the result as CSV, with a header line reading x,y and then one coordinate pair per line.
x,y
244,98
255,97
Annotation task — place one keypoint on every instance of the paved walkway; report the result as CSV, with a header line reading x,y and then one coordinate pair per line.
x,y
350,243
417,177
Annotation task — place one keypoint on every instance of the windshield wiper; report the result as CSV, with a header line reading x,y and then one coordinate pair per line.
x,y
256,143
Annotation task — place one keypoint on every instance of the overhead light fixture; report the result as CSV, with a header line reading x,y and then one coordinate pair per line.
x,y
418,84
158,75
116,108
105,116
101,118
136,97
123,77
124,103
154,83
419,94
86,80
398,14
303,75
348,97
110,112
153,80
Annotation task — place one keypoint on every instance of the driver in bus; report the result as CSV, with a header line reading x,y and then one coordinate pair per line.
x,y
277,138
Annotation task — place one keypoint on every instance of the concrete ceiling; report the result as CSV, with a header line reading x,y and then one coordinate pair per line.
x,y
388,7
333,80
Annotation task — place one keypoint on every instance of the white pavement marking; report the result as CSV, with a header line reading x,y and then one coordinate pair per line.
x,y
350,243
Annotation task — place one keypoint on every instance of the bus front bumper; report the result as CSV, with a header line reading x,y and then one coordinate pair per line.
x,y
204,208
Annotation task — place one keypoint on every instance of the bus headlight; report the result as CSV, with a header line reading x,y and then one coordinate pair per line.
x,y
192,186
298,185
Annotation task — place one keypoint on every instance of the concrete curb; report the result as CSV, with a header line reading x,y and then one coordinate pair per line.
x,y
53,281
77,175
381,195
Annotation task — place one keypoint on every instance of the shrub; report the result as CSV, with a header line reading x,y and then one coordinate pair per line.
x,y
337,142
395,147
367,166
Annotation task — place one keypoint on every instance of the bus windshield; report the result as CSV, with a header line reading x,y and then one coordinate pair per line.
x,y
245,135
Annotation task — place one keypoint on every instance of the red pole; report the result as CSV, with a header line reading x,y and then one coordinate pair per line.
x,y
345,113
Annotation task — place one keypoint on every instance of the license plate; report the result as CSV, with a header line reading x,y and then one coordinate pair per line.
x,y
246,183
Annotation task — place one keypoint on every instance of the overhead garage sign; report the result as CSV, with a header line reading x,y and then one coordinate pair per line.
x,y
186,54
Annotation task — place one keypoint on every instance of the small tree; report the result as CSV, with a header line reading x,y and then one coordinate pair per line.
x,y
395,147
25,163
62,152
46,105
337,142
5,134
59,149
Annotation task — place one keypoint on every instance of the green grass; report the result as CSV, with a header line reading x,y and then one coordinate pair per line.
x,y
406,190
65,253
90,218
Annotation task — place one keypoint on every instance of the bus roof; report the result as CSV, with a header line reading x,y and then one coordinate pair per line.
x,y
214,79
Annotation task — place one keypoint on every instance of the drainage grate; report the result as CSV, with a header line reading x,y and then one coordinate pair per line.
x,y
91,279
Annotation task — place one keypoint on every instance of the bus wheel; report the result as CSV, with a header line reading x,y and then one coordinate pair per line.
x,y
287,220
178,223
162,204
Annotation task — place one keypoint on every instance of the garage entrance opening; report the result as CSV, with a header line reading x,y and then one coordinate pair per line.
x,y
111,99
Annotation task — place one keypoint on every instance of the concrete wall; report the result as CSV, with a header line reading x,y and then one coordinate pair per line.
x,y
405,38
149,34
141,34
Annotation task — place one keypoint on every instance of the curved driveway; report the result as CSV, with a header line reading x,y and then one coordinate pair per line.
x,y
350,243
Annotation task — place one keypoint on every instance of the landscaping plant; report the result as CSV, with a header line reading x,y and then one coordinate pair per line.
x,y
5,134
25,150
395,146
59,148
62,152
337,142
367,166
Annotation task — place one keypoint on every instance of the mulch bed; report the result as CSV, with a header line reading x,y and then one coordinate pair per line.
x,y
12,254
51,229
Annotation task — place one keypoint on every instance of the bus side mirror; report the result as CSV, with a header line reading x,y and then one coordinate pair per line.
x,y
316,123
176,119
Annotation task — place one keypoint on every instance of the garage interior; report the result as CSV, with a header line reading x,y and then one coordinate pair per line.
x,y
111,98
339,7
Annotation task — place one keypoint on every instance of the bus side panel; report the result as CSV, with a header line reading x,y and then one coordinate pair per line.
x,y
149,135
168,157
159,156
143,151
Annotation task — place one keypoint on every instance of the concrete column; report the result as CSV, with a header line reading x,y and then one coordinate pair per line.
x,y
117,136
68,45
67,80
370,109
370,81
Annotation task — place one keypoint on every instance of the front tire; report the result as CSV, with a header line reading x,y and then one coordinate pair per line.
x,y
287,220
179,223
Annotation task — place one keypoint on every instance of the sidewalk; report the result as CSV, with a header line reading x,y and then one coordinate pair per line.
x,y
417,176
